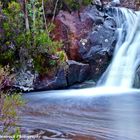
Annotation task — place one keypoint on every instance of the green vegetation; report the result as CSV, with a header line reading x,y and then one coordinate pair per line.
x,y
76,4
26,36
9,105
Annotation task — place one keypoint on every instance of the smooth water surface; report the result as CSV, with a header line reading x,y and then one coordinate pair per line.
x,y
89,116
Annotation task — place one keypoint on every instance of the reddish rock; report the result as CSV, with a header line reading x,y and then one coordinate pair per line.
x,y
70,28
128,4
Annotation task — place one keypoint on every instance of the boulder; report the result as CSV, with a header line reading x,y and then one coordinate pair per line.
x,y
77,72
57,82
70,28
25,76
73,72
24,80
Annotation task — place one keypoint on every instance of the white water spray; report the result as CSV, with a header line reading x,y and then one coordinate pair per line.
x,y
122,69
116,1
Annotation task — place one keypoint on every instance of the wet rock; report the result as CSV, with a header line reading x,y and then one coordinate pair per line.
x,y
99,47
94,14
94,53
110,23
24,80
25,76
57,82
86,84
137,78
77,72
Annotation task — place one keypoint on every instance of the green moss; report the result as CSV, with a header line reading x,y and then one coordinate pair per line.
x,y
86,2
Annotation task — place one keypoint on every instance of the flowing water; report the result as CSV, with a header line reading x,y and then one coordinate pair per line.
x,y
126,60
110,112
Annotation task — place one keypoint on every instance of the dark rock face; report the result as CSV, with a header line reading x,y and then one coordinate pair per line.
x,y
57,82
72,73
137,78
98,47
77,72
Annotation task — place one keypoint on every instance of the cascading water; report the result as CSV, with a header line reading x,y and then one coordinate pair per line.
x,y
121,71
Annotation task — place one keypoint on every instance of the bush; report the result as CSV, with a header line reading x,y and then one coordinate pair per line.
x,y
9,106
29,35
6,78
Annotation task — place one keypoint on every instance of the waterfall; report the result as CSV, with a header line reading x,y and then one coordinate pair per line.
x,y
121,71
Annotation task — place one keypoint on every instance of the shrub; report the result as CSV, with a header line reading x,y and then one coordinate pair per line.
x,y
30,36
6,78
9,106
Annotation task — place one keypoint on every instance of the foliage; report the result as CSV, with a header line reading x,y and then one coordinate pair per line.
x,y
5,77
26,29
76,4
9,105
62,57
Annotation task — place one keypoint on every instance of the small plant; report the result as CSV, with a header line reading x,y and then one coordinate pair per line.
x,y
9,105
62,57
6,78
76,4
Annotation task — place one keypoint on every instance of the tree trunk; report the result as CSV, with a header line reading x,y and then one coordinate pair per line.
x,y
26,16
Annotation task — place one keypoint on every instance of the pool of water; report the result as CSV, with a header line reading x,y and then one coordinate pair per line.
x,y
87,114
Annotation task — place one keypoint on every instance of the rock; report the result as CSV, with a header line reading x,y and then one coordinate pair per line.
x,y
94,14
77,72
110,23
73,72
137,78
94,53
24,80
131,4
86,84
76,26
99,47
57,82
93,44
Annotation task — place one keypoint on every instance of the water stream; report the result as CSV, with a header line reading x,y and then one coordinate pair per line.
x,y
125,61
110,112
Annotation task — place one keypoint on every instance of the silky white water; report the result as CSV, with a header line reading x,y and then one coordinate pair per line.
x,y
121,71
